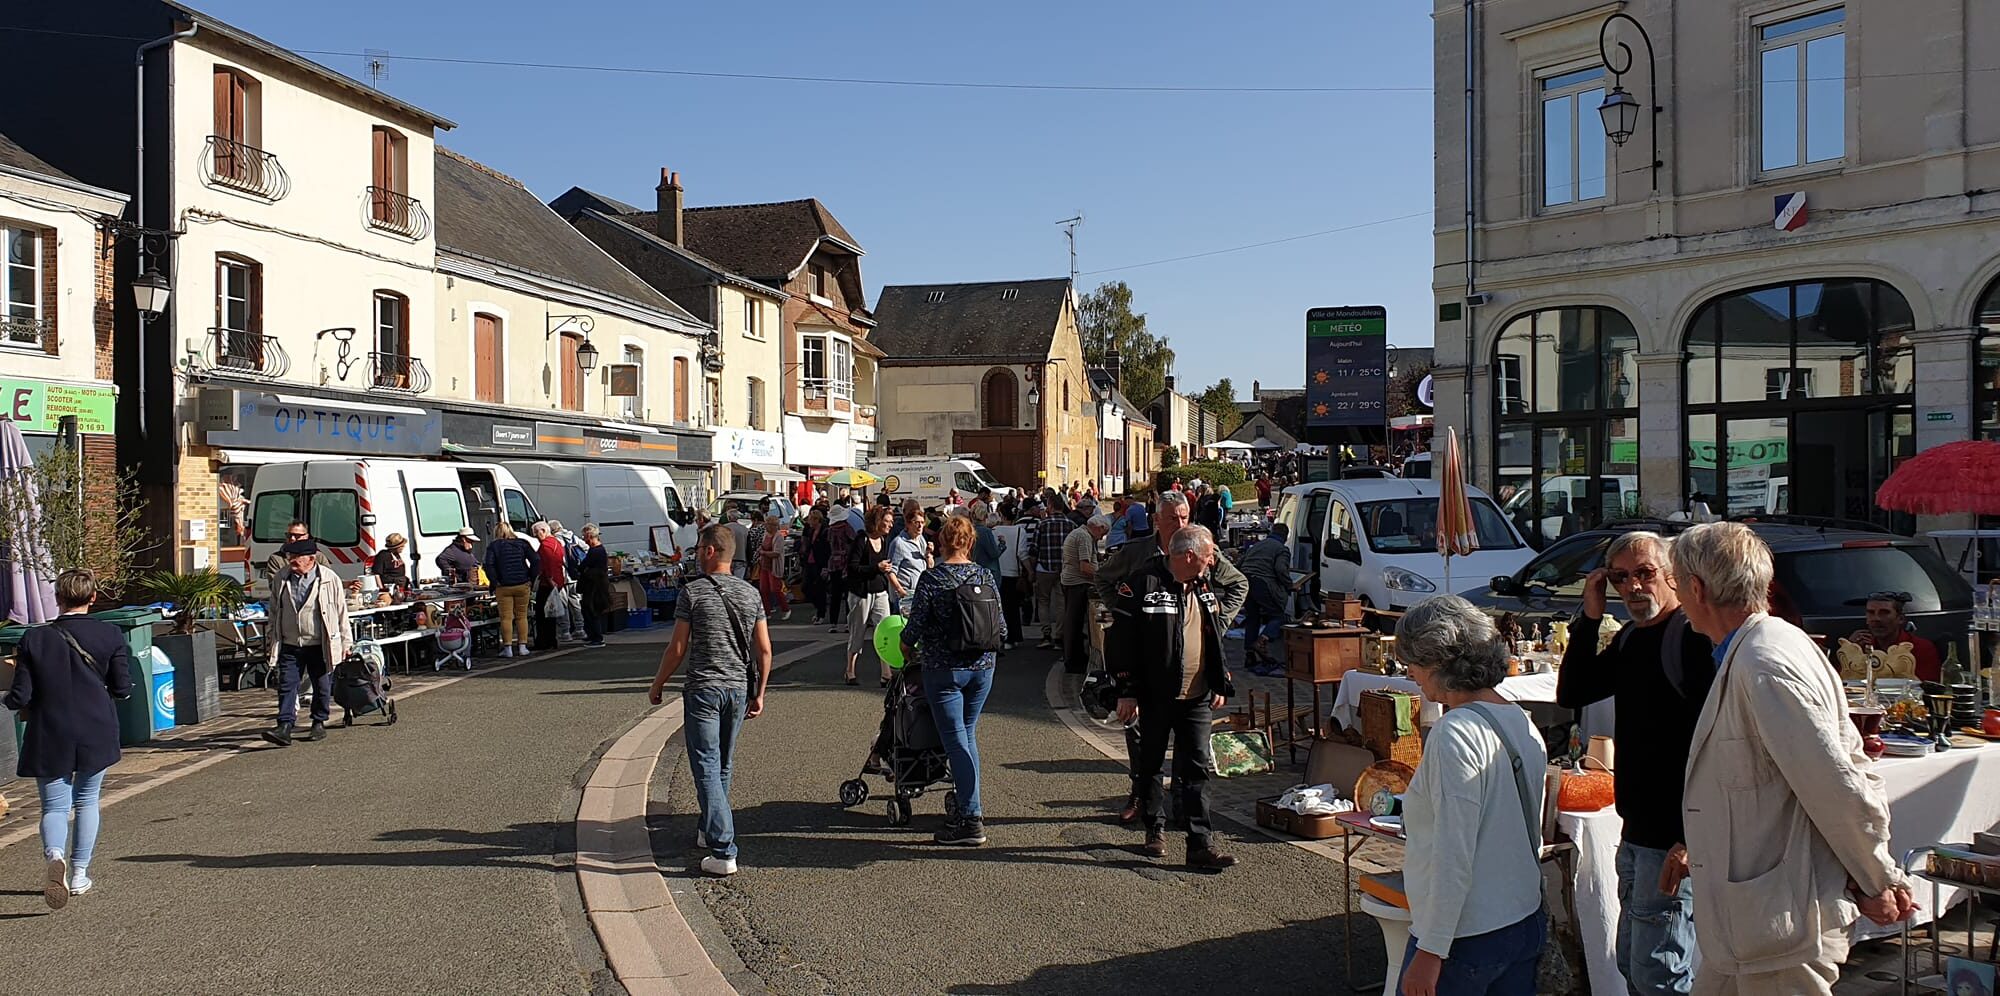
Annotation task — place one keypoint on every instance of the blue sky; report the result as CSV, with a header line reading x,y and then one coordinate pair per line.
x,y
954,184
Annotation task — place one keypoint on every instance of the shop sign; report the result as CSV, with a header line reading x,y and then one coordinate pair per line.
x,y
256,420
622,446
513,436
1742,452
749,446
39,405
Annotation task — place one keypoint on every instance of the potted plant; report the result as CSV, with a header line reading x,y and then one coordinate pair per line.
x,y
197,688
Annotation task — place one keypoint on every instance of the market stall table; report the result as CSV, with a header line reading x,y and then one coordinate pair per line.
x,y
1520,688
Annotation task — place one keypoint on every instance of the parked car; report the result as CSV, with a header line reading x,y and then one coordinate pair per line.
x,y
1823,572
748,502
1378,538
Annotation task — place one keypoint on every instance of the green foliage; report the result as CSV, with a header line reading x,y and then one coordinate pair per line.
x,y
193,594
1220,400
1210,472
1107,322
82,515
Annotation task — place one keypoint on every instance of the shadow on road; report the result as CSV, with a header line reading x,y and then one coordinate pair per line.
x,y
522,845
1302,956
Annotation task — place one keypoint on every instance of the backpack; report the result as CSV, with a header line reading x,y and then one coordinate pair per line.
x,y
973,623
573,555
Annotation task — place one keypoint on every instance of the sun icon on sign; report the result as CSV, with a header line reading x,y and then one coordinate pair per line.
x,y
1319,409
1320,377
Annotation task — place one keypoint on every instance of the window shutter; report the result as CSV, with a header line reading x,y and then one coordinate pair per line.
x,y
253,282
680,389
381,174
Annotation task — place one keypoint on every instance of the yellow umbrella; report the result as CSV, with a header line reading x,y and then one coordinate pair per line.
x,y
852,477
1456,532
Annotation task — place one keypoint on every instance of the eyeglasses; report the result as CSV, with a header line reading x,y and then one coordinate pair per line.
x,y
295,535
1643,575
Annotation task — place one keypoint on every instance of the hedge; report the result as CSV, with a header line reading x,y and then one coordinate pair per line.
x,y
1210,471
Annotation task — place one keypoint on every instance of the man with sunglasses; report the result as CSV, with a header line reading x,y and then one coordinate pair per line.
x,y
1887,626
278,565
1657,672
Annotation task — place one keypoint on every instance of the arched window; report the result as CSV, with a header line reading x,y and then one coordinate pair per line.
x,y
998,395
1987,388
1760,361
1566,407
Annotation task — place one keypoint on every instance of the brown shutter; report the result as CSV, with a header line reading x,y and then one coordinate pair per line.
x,y
380,174
680,389
254,282
485,357
572,378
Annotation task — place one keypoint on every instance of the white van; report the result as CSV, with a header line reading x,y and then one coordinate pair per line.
x,y
626,501
351,506
1378,538
1567,495
933,480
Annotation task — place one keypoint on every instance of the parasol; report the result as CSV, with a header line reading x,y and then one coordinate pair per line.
x,y
1956,478
1456,534
852,477
1229,444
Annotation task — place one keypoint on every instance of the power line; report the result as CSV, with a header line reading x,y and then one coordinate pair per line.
x,y
1259,245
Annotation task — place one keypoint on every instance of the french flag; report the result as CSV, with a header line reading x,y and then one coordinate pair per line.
x,y
1789,211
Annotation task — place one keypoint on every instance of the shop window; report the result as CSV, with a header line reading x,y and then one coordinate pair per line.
x,y
1986,388
1566,449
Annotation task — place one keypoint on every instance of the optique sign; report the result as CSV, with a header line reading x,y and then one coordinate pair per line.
x,y
1347,368
313,425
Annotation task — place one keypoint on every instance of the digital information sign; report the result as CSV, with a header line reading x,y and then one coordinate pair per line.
x,y
1347,369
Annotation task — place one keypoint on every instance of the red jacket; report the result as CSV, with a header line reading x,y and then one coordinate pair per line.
x,y
551,569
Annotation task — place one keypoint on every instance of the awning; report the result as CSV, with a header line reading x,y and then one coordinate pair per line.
x,y
771,471
359,406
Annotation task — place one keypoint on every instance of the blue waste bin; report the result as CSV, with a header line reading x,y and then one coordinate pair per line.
x,y
160,689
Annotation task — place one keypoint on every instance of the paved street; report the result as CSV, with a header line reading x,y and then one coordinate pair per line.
x,y
834,900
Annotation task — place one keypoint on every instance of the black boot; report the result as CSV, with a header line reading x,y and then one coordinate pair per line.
x,y
280,734
317,733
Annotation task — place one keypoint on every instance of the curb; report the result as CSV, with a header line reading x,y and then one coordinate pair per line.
x,y
646,941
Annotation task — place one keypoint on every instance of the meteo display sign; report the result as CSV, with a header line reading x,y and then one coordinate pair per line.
x,y
1347,369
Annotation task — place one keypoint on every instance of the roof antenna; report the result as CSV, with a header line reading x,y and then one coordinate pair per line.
x,y
1069,232
378,66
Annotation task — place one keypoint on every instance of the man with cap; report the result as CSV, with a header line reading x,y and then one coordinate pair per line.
x,y
275,567
308,633
456,563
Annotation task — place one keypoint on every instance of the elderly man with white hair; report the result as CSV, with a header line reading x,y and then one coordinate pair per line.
x,y
1787,823
1079,568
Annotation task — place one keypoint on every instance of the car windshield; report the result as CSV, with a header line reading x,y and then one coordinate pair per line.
x,y
985,479
1562,568
1409,525
1838,581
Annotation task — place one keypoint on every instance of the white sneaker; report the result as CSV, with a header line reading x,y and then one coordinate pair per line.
x,y
719,866
521,651
506,651
79,882
785,616
55,879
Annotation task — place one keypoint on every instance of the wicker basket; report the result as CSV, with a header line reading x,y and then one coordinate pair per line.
x,y
1378,727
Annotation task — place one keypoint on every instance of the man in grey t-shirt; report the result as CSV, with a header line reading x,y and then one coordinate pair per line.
x,y
720,632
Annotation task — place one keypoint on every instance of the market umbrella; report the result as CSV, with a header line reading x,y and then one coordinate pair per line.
x,y
1456,534
852,477
25,594
1229,444
1956,478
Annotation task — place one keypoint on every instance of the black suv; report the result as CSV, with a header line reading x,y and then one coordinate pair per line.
x,y
1824,573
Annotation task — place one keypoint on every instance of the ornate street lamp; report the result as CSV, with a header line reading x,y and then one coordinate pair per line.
x,y
150,291
586,356
1620,110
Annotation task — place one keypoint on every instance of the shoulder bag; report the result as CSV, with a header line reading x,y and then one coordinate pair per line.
x,y
737,635
1532,824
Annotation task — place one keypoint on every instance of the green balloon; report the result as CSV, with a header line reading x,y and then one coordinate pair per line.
x,y
889,641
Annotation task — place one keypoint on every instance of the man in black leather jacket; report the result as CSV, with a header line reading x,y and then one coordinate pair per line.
x,y
1166,654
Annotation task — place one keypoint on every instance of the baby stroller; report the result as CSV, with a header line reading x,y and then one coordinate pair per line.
x,y
454,641
360,685
907,752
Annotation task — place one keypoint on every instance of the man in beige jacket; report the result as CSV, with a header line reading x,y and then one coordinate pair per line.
x,y
1787,823
306,632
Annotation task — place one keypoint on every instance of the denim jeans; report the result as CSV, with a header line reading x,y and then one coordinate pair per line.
x,y
1497,963
61,797
956,697
1655,932
714,718
311,660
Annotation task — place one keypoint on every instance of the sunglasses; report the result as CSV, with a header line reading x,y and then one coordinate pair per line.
x,y
1642,575
295,535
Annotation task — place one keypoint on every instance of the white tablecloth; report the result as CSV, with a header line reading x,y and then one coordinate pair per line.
x,y
1523,688
1942,798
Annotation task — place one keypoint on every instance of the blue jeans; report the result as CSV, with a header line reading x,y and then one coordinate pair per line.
x,y
61,796
714,718
312,661
956,697
1655,932
1497,963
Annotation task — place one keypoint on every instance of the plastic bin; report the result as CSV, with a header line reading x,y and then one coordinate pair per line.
x,y
638,618
160,689
135,713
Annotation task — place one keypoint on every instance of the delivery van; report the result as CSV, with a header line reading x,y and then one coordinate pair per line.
x,y
628,502
934,480
351,506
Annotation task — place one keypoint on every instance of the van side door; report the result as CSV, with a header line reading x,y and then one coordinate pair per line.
x,y
277,494
333,512
1340,552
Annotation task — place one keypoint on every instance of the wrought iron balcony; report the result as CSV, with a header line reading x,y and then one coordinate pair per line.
x,y
399,373
399,213
229,163
31,332
238,353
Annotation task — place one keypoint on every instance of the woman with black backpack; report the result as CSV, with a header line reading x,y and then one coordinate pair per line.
x,y
954,626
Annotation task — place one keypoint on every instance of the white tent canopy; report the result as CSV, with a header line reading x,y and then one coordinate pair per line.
x,y
1229,444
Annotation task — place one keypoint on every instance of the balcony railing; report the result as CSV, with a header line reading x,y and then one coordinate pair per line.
x,y
399,213
399,373
30,332
240,353
230,163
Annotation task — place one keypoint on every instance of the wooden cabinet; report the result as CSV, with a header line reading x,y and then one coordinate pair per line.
x,y
1323,653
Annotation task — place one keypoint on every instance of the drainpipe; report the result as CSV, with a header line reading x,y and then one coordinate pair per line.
x,y
139,188
1471,216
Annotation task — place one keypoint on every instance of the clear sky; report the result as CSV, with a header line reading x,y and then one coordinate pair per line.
x,y
968,184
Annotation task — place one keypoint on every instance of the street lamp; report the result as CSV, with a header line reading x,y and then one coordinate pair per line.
x,y
586,356
1620,110
1034,396
150,292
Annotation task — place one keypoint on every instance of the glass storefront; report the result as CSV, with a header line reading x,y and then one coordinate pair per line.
x,y
1566,398
1799,400
1986,385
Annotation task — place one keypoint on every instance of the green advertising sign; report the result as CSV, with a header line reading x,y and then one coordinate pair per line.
x,y
1701,453
39,405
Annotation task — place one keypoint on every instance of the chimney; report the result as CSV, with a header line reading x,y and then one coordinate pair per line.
x,y
1111,366
1256,390
1170,383
667,224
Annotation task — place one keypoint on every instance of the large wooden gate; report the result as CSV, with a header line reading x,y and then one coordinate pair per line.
x,y
1009,454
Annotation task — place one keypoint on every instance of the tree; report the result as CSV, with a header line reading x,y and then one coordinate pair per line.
x,y
1220,401
1106,320
79,513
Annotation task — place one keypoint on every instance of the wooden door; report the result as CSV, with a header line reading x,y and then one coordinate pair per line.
x,y
486,358
572,375
680,389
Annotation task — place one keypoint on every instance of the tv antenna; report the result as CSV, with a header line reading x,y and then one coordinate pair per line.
x,y
1069,232
377,65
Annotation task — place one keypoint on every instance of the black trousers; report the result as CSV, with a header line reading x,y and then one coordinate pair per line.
x,y
546,629
815,585
1011,600
836,598
1076,628
1185,723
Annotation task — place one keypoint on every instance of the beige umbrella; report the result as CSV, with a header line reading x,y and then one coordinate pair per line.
x,y
1456,533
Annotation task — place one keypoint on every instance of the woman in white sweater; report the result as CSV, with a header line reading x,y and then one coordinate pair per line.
x,y
1473,815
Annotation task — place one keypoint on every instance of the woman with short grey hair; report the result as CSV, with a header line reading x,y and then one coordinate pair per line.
x,y
1472,814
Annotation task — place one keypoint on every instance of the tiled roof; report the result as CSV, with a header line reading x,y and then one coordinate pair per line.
x,y
765,242
487,214
12,155
624,223
1009,318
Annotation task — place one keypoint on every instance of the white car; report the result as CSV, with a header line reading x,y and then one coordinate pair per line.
x,y
1378,538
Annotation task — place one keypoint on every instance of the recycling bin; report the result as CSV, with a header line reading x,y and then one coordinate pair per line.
x,y
159,689
135,712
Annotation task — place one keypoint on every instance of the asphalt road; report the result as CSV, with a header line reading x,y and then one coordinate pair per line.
x,y
836,900
431,857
